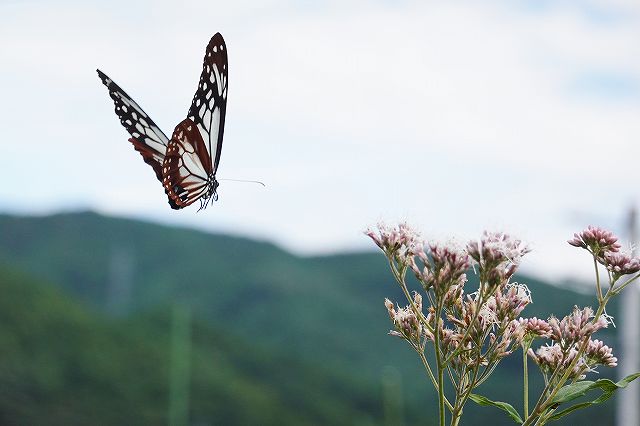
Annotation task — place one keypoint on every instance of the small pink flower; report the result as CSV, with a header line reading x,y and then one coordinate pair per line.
x,y
400,241
510,338
407,325
453,297
576,327
498,256
550,357
536,327
443,268
497,247
596,240
547,356
621,263
510,300
599,353
390,308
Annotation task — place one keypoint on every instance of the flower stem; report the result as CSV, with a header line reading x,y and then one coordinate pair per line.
x,y
463,396
621,287
439,365
598,289
399,276
442,400
525,385
432,377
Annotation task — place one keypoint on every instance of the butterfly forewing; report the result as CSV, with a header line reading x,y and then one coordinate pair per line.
x,y
187,166
209,104
146,136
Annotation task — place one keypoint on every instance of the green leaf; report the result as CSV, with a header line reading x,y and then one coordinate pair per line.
x,y
572,391
570,410
508,408
578,389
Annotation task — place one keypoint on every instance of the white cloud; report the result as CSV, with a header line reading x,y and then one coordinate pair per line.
x,y
458,116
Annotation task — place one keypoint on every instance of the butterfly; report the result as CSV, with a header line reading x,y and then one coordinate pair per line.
x,y
186,164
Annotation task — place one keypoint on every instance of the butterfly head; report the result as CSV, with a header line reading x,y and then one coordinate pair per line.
x,y
211,194
213,188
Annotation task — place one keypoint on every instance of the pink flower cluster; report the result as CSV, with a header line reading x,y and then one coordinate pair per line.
x,y
621,263
497,255
441,268
599,353
568,336
486,331
483,327
605,247
596,240
401,242
495,248
552,357
535,327
407,325
575,327
509,301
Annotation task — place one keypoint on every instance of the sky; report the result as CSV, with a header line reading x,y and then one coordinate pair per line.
x,y
455,116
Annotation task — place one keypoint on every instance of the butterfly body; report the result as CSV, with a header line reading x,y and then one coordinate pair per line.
x,y
186,164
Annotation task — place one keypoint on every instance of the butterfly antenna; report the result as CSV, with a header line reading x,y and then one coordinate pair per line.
x,y
246,181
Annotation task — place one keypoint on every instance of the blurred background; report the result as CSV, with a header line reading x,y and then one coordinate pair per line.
x,y
266,308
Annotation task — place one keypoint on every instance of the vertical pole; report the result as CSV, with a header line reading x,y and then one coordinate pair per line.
x,y
392,396
179,368
627,402
120,280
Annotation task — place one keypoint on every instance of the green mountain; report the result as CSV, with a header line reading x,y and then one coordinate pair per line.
x,y
61,364
311,332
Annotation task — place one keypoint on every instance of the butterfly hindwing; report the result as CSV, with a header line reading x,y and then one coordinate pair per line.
x,y
209,104
146,136
187,166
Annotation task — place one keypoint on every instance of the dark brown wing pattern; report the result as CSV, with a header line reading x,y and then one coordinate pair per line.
x,y
187,166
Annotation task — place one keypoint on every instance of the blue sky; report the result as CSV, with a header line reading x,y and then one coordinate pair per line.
x,y
455,116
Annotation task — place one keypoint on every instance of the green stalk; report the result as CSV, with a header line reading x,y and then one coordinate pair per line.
x,y
598,289
432,377
456,420
621,287
525,399
442,400
399,276
461,398
439,366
